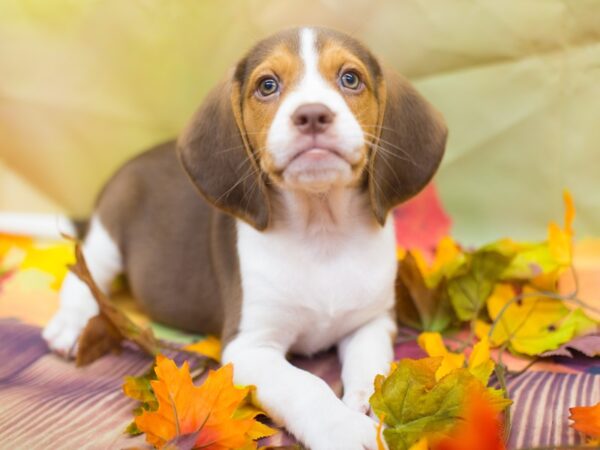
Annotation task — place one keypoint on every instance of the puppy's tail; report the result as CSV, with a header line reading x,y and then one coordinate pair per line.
x,y
41,226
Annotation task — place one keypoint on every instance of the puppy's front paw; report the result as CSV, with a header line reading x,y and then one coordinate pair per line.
x,y
354,431
358,400
63,330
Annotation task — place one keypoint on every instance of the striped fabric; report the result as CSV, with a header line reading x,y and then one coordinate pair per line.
x,y
45,403
541,407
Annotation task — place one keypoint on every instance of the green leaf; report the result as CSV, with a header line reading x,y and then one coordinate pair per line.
x,y
413,404
132,429
470,289
528,259
140,389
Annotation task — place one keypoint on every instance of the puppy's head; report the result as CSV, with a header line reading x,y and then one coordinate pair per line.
x,y
311,109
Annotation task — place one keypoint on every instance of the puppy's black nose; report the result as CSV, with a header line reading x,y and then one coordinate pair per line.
x,y
312,118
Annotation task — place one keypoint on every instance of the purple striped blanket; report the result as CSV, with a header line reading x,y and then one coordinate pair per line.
x,y
47,403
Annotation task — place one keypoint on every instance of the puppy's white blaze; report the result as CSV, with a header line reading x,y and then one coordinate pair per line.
x,y
312,86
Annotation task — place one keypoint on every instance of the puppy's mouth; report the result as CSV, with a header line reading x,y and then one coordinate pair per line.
x,y
316,163
317,154
314,151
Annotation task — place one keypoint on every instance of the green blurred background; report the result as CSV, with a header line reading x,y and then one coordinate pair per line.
x,y
85,84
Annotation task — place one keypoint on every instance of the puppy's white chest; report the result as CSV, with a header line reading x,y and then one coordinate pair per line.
x,y
307,293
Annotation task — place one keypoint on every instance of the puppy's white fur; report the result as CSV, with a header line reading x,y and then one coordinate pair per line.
x,y
77,305
323,273
307,284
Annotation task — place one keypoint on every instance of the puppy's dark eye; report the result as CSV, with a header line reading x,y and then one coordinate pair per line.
x,y
350,80
267,87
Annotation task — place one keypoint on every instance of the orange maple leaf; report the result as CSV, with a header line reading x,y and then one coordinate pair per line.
x,y
207,413
480,430
586,419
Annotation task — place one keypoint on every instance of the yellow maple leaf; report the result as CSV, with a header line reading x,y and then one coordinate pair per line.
x,y
209,347
208,410
13,250
448,257
422,444
400,253
569,211
532,325
52,259
380,441
481,365
433,345
560,240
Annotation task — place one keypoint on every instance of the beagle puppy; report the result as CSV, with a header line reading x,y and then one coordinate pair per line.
x,y
298,156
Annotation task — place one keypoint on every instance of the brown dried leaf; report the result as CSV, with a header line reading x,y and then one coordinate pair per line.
x,y
417,305
112,326
99,337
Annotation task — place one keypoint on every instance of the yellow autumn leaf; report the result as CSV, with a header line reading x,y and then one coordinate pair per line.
x,y
448,257
433,345
13,250
380,441
569,211
480,353
560,240
209,347
52,259
532,325
481,365
422,444
400,253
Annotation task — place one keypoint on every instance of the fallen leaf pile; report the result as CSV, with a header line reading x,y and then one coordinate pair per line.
x,y
506,290
508,294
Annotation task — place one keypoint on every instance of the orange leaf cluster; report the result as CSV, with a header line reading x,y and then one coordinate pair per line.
x,y
206,415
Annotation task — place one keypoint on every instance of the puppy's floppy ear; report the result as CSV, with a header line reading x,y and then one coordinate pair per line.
x,y
215,153
411,144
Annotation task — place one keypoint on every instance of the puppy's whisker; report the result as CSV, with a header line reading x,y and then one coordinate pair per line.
x,y
229,149
236,184
381,127
393,146
395,187
386,152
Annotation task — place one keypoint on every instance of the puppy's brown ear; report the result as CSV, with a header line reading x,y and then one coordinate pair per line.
x,y
215,153
411,144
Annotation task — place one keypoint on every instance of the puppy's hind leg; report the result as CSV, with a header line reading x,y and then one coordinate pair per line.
x,y
77,305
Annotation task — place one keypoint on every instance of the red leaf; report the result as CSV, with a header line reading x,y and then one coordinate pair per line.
x,y
421,222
